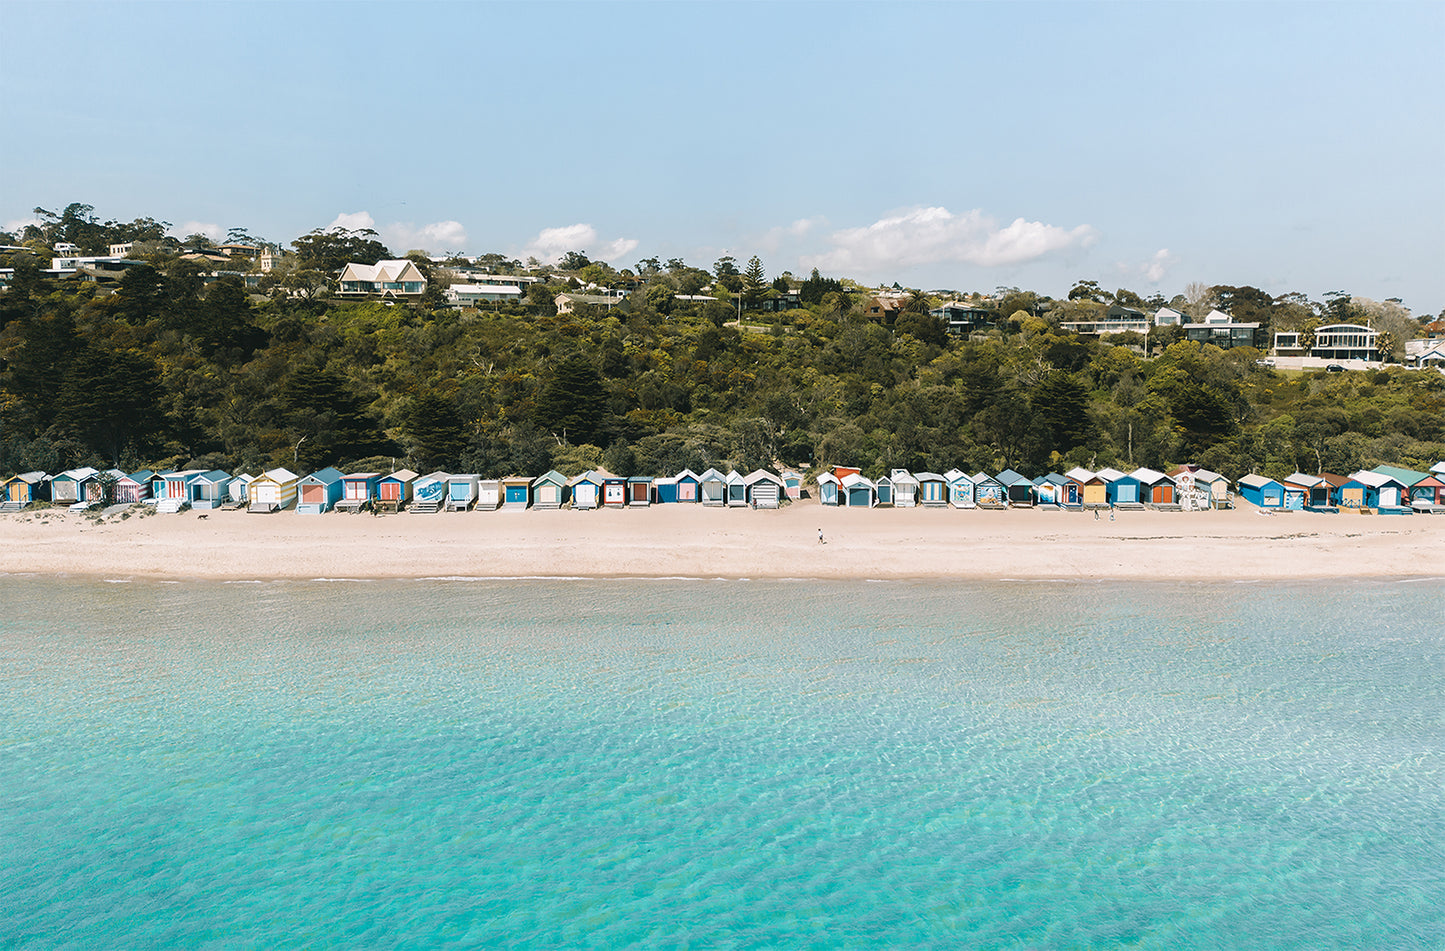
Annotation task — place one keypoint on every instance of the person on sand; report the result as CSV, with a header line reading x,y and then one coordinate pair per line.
x,y
1111,513
1096,515
820,537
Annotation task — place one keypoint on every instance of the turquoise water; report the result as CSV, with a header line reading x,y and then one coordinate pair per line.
x,y
721,765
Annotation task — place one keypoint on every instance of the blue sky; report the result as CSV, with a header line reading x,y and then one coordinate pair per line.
x,y
962,145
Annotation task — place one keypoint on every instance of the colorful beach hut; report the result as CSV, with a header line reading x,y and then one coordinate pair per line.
x,y
489,495
461,491
687,485
639,490
237,490
318,492
549,490
792,484
883,489
1314,491
1049,489
1018,488
988,492
272,491
712,488
208,490
614,491
960,489
1261,491
429,493
905,489
858,491
765,490
358,490
176,489
394,491
67,488
932,490
1375,490
1123,489
23,489
586,490
1155,488
827,489
135,487
737,489
516,492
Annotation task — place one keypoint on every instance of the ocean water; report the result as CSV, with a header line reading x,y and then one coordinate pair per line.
x,y
721,764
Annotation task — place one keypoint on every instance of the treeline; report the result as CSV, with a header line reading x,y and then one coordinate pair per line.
x,y
171,370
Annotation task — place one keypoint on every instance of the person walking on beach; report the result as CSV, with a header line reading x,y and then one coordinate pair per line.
x,y
820,537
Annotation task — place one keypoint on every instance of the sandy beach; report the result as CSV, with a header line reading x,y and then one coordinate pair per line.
x,y
692,541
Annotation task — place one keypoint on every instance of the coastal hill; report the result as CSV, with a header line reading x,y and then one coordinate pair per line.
x,y
247,355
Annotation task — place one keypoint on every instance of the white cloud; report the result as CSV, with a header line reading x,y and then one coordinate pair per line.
x,y
352,221
18,225
1157,266
932,235
551,243
775,238
210,229
435,237
403,236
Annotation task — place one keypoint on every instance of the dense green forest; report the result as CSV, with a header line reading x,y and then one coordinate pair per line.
x,y
170,368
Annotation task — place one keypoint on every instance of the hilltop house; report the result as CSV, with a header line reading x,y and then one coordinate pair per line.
x,y
392,279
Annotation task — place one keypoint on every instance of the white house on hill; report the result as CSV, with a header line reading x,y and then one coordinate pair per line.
x,y
400,279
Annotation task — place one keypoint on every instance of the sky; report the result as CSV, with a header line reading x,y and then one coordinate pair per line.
x,y
968,145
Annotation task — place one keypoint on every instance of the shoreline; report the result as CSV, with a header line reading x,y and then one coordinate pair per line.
x,y
693,542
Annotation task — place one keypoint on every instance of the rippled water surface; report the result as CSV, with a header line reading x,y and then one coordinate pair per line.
x,y
721,765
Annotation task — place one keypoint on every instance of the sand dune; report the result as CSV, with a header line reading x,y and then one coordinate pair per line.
x,y
688,540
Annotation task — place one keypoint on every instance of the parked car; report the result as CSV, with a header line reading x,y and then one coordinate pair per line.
x,y
1334,368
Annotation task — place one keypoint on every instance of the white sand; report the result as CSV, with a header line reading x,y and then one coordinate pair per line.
x,y
692,541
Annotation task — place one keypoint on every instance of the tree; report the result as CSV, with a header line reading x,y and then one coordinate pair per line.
x,y
1060,403
923,327
573,402
336,423
754,282
330,249
728,276
434,430
573,261
1088,290
109,400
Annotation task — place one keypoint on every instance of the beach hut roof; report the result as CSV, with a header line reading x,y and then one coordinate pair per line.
x,y
762,475
929,477
827,478
76,475
362,475
1303,480
275,475
1438,468
1408,477
140,476
1110,475
550,476
902,477
214,476
1079,474
591,475
402,475
1205,475
853,479
31,477
640,479
685,474
324,476
1010,477
1255,481
984,477
1373,479
1149,476
712,475
1332,480
1053,478
736,478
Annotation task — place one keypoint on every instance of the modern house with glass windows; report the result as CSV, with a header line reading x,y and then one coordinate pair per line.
x,y
394,279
